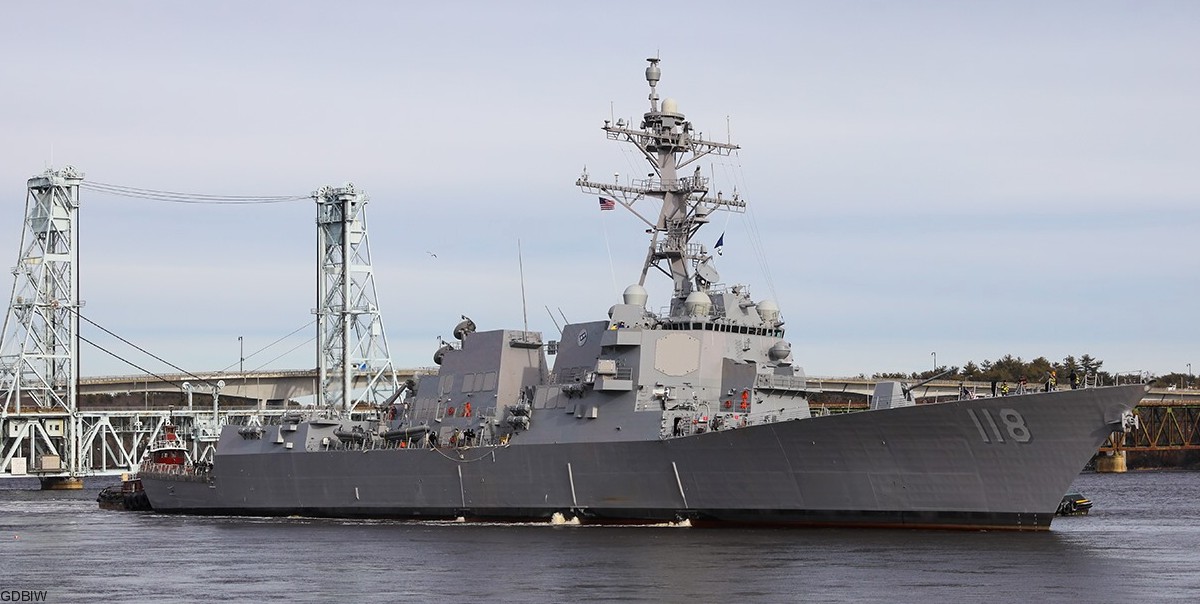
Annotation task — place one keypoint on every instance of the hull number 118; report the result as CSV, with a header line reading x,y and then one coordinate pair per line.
x,y
1010,427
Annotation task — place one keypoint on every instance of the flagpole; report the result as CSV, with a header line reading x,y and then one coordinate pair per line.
x,y
612,271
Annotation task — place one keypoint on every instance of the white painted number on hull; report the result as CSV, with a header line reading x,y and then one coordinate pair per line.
x,y
1014,426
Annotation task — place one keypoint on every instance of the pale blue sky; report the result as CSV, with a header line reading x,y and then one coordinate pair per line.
x,y
970,178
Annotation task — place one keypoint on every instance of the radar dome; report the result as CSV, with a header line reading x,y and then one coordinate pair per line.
x,y
780,351
635,295
670,105
697,304
769,311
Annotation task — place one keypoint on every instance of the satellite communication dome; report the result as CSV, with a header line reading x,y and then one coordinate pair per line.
x,y
670,105
635,295
697,304
769,311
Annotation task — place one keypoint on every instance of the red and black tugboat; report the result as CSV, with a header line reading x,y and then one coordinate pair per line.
x,y
168,452
127,496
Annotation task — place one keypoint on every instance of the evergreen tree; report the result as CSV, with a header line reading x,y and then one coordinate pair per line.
x,y
1011,369
1069,364
1039,369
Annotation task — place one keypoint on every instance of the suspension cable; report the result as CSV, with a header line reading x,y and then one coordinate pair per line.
x,y
264,348
287,352
190,198
132,364
140,349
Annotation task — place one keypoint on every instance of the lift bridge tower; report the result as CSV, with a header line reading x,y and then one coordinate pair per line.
x,y
43,432
39,349
352,346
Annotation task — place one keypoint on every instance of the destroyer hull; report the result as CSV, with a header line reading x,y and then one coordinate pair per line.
x,y
998,463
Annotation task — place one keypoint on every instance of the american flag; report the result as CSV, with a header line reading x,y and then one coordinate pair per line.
x,y
607,204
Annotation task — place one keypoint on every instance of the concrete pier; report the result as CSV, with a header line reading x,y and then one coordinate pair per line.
x,y
62,483
1112,462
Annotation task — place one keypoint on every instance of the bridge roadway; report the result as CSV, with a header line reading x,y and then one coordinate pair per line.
x,y
263,386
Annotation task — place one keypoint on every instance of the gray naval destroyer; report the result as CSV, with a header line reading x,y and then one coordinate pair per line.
x,y
695,412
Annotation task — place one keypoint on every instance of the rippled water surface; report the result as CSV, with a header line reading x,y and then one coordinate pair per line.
x,y
1140,543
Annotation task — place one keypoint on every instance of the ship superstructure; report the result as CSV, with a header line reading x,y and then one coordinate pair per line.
x,y
697,412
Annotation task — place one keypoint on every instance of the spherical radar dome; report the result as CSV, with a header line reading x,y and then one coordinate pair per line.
x,y
697,304
635,295
780,351
769,311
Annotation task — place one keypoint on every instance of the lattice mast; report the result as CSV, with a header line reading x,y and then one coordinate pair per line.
x,y
669,144
351,344
39,345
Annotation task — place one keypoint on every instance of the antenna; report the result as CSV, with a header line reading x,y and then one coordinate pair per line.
x,y
521,264
556,326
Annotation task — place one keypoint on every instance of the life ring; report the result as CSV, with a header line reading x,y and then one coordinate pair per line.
x,y
449,410
728,404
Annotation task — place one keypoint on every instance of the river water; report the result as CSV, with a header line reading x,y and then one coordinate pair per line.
x,y
1140,543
